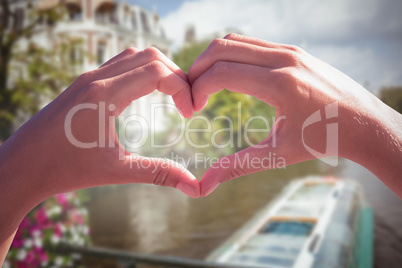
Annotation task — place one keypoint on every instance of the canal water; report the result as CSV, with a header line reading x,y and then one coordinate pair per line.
x,y
153,219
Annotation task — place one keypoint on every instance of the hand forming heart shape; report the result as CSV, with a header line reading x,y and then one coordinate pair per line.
x,y
273,73
72,143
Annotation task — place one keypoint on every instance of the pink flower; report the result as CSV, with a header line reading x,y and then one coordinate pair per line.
x,y
18,234
21,264
34,228
30,258
42,255
77,217
58,231
41,216
42,226
23,225
17,242
62,199
18,238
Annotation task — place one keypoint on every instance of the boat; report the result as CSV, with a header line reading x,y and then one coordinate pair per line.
x,y
315,222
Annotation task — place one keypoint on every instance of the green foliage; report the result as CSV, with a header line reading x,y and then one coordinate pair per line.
x,y
238,107
188,54
392,96
28,77
42,74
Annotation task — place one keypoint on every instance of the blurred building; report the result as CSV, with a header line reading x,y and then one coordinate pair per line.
x,y
102,29
189,35
108,27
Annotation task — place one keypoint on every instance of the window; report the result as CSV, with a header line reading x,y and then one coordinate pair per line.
x,y
100,53
74,12
113,17
106,13
293,228
49,20
41,19
145,24
76,56
134,20
126,16
163,35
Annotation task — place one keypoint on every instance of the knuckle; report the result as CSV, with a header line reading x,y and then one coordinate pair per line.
x,y
94,90
86,77
236,173
90,92
217,45
161,177
219,70
156,67
289,74
293,48
152,52
131,50
286,78
292,57
215,42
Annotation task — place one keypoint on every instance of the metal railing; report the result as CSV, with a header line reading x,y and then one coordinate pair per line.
x,y
130,259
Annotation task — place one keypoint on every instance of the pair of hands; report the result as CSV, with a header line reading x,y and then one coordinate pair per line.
x,y
39,160
43,162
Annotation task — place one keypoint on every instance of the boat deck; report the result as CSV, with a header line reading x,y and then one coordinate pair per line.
x,y
295,229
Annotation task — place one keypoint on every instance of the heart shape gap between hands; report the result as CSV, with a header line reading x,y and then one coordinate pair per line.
x,y
273,73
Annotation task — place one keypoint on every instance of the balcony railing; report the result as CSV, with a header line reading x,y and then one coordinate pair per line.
x,y
131,259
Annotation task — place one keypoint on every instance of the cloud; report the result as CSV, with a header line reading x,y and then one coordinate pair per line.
x,y
350,35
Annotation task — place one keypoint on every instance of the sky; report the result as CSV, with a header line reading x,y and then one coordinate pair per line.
x,y
163,7
362,38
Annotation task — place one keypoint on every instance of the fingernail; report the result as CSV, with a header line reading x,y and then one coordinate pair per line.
x,y
188,189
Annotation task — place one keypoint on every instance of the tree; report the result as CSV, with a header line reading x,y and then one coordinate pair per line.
x,y
27,75
392,96
238,107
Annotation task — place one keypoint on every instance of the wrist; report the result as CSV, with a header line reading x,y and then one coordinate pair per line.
x,y
20,188
375,139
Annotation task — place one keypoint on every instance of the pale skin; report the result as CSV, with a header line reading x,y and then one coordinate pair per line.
x,y
298,84
38,161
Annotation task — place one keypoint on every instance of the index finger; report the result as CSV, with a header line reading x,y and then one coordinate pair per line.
x,y
260,82
256,41
132,58
234,51
123,89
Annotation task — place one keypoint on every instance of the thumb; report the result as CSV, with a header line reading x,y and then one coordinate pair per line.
x,y
247,161
159,171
